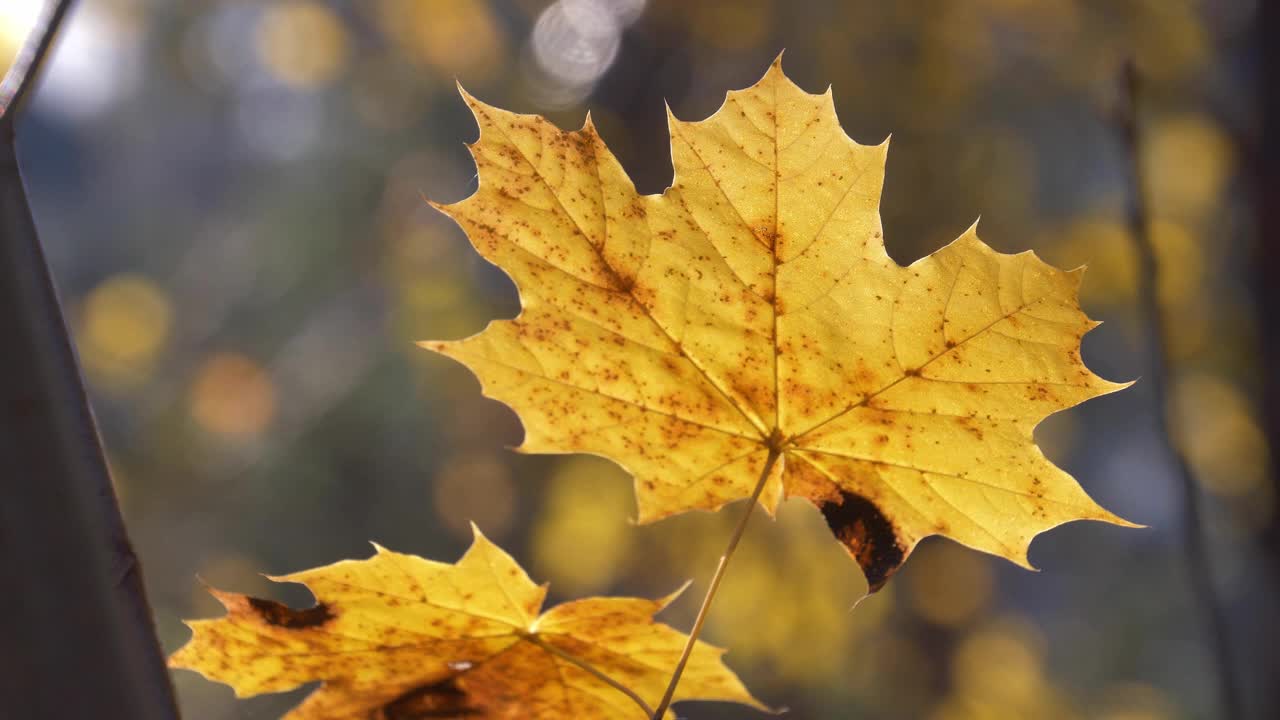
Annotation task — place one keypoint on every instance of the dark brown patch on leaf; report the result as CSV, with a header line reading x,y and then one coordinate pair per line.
x,y
443,699
286,617
867,534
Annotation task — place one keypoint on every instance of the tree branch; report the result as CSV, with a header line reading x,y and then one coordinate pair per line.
x,y
1156,327
26,66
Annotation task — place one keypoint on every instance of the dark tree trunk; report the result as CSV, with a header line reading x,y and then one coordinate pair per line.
x,y
1262,158
76,634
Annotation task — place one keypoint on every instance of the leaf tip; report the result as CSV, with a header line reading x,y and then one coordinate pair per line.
x,y
1117,520
970,234
1024,561
1106,516
672,121
1106,387
478,108
666,600
227,599
187,656
467,97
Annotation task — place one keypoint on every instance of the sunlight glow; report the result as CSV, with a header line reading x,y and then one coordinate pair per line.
x,y
16,19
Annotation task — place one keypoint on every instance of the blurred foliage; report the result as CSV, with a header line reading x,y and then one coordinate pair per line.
x,y
231,197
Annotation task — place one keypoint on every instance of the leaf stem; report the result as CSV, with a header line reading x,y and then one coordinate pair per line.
x,y
774,453
1157,328
592,669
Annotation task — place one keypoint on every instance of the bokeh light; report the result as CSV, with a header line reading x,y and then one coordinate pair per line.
x,y
474,489
1223,439
232,396
461,38
302,43
125,322
1188,161
574,42
949,585
582,539
98,63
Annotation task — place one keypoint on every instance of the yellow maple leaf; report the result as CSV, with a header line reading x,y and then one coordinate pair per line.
x,y
750,312
398,636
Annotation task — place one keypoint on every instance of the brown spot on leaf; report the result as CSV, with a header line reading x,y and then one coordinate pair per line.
x,y
443,699
281,615
868,536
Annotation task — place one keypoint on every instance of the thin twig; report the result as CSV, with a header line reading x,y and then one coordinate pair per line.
x,y
595,672
774,452
1156,327
26,66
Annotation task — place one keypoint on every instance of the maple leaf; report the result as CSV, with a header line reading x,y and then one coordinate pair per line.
x,y
751,312
398,636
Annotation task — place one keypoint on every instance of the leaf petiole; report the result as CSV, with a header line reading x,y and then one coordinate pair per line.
x,y
774,453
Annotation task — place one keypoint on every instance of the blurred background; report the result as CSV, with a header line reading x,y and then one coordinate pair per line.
x,y
231,197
